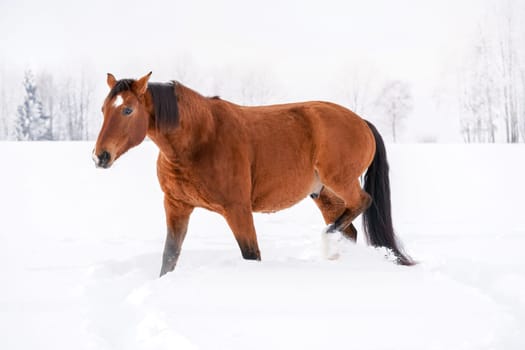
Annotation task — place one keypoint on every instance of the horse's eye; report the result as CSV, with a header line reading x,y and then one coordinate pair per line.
x,y
127,111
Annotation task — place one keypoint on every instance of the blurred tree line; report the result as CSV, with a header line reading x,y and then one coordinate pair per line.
x,y
487,92
51,110
492,80
63,109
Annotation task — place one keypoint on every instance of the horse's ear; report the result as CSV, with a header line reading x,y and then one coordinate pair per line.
x,y
111,80
141,85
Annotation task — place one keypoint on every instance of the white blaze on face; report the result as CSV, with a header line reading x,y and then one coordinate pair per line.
x,y
118,101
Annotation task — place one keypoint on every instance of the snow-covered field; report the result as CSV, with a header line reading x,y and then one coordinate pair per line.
x,y
80,252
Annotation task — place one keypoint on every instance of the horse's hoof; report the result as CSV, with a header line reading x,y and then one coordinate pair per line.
x,y
332,228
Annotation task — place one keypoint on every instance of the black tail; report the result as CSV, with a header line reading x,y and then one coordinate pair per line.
x,y
377,219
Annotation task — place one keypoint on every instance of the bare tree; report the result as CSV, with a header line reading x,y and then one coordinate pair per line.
x,y
47,94
395,100
521,105
85,93
509,71
69,108
480,95
6,104
473,125
73,108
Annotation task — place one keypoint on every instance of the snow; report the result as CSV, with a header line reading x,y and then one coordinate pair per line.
x,y
80,253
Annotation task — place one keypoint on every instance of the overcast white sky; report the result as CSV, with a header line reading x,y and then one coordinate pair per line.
x,y
405,37
299,41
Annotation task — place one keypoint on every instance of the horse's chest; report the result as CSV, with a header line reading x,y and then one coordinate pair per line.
x,y
185,186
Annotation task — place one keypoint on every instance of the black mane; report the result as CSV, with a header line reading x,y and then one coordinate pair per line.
x,y
164,101
166,106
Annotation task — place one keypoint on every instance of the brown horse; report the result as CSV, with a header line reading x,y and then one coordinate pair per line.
x,y
235,160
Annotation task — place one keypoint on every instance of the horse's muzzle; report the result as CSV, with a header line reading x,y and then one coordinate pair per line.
x,y
102,160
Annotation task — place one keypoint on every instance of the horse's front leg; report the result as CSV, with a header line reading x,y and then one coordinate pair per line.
x,y
177,218
240,220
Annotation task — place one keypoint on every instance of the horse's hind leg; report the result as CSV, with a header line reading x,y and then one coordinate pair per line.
x,y
333,208
355,200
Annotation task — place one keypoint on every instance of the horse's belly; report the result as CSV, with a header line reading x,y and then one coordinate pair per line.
x,y
282,192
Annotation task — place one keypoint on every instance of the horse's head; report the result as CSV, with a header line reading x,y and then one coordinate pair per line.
x,y
126,119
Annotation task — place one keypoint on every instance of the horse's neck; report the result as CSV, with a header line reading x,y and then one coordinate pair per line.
x,y
196,126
